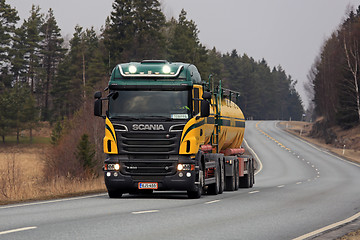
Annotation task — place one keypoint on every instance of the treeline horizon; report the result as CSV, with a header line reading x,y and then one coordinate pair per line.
x,y
334,79
42,78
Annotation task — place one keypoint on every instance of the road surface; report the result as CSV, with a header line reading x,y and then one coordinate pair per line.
x,y
299,189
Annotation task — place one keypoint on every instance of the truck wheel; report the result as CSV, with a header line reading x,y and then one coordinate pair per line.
x,y
230,181
252,173
245,181
222,176
214,188
236,175
197,194
114,194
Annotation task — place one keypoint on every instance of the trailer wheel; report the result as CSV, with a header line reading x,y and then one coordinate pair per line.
x,y
245,181
222,176
114,194
231,181
236,174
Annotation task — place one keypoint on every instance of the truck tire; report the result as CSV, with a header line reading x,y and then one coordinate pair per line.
x,y
114,194
197,194
245,181
231,180
236,174
214,189
222,176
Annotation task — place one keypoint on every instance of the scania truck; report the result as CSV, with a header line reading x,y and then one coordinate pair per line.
x,y
167,129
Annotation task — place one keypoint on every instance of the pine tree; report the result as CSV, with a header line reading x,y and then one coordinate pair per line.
x,y
8,20
82,68
32,27
133,31
52,52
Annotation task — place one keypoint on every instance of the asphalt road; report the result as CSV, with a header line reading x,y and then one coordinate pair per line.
x,y
299,189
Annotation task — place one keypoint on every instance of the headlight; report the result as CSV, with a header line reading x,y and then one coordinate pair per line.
x,y
185,167
112,167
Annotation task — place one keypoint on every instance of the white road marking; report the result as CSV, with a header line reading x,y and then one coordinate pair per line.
x,y
148,211
299,183
52,201
256,157
281,186
334,225
215,201
17,230
253,192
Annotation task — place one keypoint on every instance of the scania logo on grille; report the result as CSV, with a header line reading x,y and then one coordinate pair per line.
x,y
148,127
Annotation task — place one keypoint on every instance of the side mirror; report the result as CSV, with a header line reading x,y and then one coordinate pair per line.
x,y
205,108
97,95
98,107
206,95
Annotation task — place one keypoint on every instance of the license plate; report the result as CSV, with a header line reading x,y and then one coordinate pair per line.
x,y
143,185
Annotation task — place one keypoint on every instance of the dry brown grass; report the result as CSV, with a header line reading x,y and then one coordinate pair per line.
x,y
351,236
22,177
352,137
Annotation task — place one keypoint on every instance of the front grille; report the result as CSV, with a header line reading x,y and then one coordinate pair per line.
x,y
148,143
148,168
148,178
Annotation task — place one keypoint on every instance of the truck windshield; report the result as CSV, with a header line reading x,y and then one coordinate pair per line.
x,y
150,104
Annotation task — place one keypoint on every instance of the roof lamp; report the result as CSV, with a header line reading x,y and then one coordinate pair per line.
x,y
132,69
166,69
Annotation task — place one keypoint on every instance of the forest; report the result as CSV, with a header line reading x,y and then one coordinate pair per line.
x,y
44,78
333,81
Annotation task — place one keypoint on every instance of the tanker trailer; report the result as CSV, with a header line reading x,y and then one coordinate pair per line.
x,y
166,129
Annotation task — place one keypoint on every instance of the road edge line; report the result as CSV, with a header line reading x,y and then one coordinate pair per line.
x,y
329,227
17,230
255,156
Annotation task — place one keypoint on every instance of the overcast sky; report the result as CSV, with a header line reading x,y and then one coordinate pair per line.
x,y
289,33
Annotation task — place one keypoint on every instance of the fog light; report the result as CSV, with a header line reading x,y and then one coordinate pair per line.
x,y
181,174
188,174
108,174
116,174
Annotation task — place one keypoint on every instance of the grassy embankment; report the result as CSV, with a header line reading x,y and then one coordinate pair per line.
x,y
22,177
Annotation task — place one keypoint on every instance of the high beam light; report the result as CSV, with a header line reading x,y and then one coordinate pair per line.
x,y
132,69
166,69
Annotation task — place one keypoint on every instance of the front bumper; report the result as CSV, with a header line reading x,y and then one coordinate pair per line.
x,y
181,180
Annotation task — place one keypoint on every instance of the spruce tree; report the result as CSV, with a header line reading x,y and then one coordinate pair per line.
x,y
133,31
8,20
52,52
